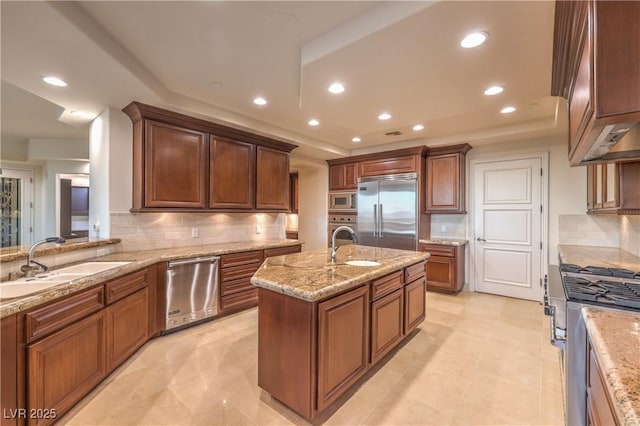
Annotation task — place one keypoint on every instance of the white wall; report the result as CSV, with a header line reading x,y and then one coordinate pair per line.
x,y
313,187
49,188
57,149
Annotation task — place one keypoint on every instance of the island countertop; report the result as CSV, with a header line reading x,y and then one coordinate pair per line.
x,y
615,336
312,276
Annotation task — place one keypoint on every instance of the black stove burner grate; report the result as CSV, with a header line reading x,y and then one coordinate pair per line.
x,y
600,270
618,293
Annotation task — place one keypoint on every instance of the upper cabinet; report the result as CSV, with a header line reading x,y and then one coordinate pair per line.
x,y
182,163
596,66
613,188
343,176
445,188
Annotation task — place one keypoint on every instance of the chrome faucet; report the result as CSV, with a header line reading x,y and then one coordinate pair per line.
x,y
32,266
334,249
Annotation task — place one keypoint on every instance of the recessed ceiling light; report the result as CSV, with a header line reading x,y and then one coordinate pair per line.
x,y
260,101
493,90
384,116
313,122
474,40
356,139
54,81
83,114
336,88
507,110
418,127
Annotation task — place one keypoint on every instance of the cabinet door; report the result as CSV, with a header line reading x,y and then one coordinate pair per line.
x,y
63,367
610,185
444,184
386,324
343,343
336,177
414,304
591,187
10,379
272,192
231,174
126,327
598,202
175,166
389,166
441,272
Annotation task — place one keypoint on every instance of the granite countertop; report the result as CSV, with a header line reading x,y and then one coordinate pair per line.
x,y
615,336
9,254
312,276
139,260
445,241
608,257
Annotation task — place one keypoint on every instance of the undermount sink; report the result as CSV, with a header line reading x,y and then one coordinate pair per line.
x,y
25,286
362,263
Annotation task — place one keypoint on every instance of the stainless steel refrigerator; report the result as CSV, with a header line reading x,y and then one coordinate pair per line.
x,y
388,211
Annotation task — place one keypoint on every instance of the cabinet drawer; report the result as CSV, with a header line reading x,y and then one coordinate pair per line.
x,y
438,249
244,299
243,258
389,166
386,284
281,251
55,316
124,286
235,286
414,272
246,271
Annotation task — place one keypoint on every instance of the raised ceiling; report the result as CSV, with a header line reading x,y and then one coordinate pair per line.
x,y
212,58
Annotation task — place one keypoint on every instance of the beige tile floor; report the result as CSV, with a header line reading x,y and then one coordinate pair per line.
x,y
477,360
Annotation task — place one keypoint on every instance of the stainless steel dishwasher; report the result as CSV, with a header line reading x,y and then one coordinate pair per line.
x,y
192,291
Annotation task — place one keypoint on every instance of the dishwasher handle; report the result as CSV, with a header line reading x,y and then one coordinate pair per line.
x,y
193,261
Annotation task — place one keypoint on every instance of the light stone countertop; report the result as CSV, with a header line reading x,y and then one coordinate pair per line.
x,y
311,276
615,336
445,241
139,260
9,254
608,257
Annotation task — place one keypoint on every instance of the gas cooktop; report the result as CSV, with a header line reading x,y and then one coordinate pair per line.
x,y
602,286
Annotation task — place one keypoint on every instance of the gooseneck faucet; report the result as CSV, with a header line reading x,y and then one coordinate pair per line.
x,y
32,266
334,249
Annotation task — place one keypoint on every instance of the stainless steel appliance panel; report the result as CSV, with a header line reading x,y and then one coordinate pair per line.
x,y
397,225
368,213
191,291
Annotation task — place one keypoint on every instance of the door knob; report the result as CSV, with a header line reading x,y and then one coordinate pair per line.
x,y
480,239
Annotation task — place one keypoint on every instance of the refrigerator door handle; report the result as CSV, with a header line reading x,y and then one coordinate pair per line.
x,y
380,221
375,220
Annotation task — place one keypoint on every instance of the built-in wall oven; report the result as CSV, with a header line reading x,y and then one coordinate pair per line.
x,y
568,288
342,201
342,237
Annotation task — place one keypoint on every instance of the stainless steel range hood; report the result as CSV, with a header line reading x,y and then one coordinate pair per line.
x,y
616,142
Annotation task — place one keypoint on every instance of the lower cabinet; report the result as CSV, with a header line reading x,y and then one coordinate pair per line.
x,y
445,267
126,327
414,304
600,409
63,367
386,324
343,343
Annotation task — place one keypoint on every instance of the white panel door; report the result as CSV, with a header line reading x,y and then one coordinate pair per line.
x,y
507,225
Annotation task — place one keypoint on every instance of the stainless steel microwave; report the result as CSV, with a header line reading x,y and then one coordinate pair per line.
x,y
342,201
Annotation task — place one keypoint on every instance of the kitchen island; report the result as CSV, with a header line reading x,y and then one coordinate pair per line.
x,y
323,324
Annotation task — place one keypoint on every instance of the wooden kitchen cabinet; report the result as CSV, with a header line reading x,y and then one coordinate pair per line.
x,y
175,166
293,192
613,188
415,306
126,327
236,290
343,176
182,163
232,174
389,166
592,70
66,365
272,174
343,343
445,186
600,411
445,267
387,323
9,373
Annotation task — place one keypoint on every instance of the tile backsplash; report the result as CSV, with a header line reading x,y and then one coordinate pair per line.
x,y
147,231
449,225
630,234
589,230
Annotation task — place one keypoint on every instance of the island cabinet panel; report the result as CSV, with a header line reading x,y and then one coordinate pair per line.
x,y
63,367
9,371
286,350
272,177
387,317
126,327
232,174
414,304
175,166
343,343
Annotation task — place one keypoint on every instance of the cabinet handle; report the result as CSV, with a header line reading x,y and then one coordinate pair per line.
x,y
375,220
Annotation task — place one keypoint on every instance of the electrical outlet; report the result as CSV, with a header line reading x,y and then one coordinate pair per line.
x,y
443,228
258,229
195,233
